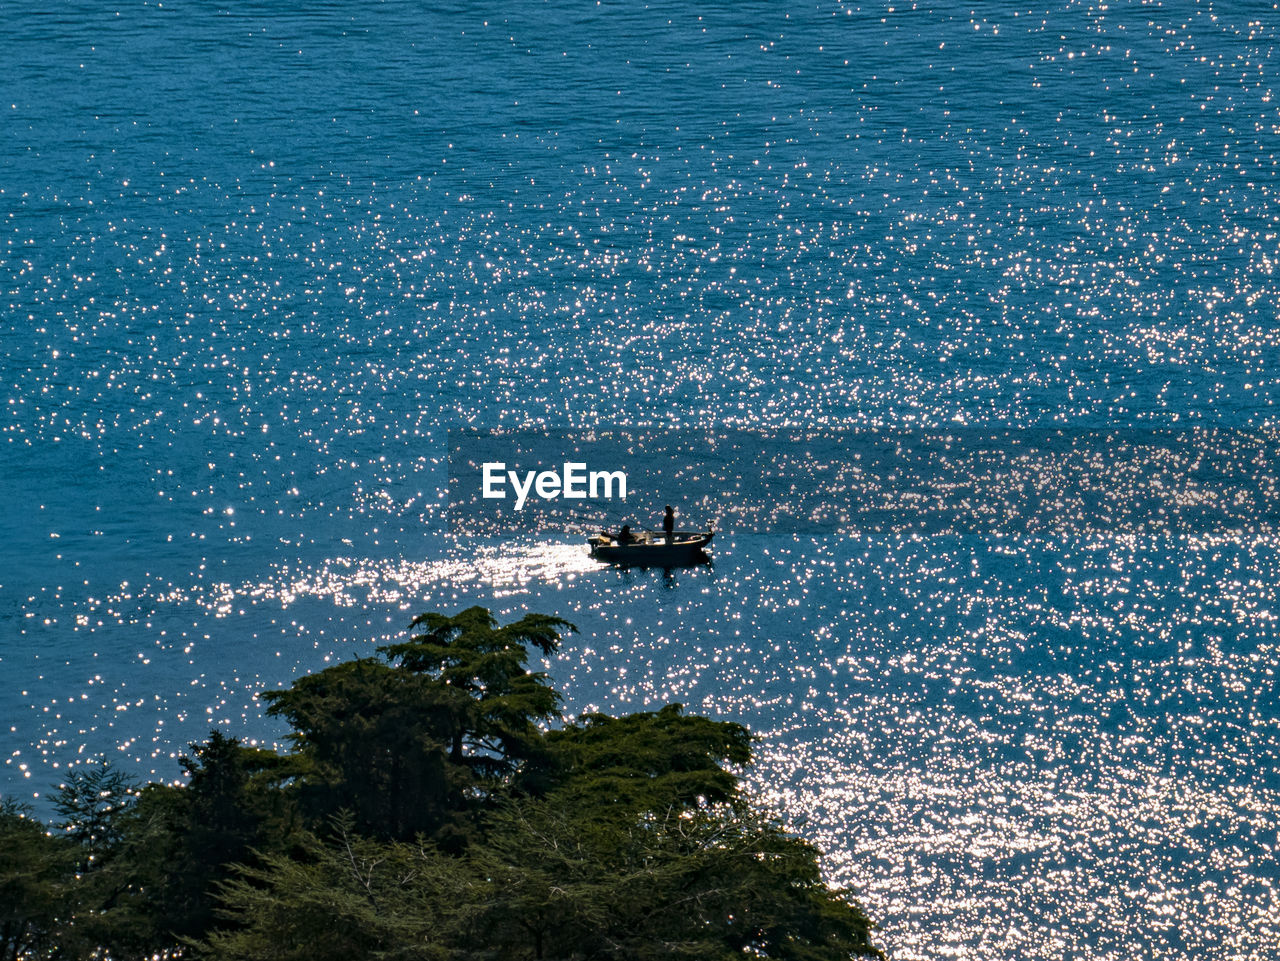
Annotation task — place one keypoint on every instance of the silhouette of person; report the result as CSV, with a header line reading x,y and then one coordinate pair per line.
x,y
625,536
669,523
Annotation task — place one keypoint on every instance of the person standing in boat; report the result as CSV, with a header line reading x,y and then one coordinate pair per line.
x,y
669,524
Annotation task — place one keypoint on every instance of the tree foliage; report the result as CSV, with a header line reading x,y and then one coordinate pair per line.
x,y
705,884
644,760
91,804
35,870
494,702
415,743
434,806
231,808
347,897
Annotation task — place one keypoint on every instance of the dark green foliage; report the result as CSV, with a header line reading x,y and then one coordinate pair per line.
x,y
427,813
646,760
494,702
91,804
548,883
35,873
157,859
371,740
698,883
231,808
417,748
99,807
349,898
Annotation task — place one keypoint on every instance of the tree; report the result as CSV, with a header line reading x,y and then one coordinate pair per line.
x,y
647,848
232,808
35,872
620,839
97,804
92,804
644,761
432,808
343,898
552,880
714,882
416,743
373,740
493,701
154,884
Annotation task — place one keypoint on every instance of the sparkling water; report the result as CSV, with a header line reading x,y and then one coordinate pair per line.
x,y
259,259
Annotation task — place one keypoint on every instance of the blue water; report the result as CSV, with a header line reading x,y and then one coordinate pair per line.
x,y
258,259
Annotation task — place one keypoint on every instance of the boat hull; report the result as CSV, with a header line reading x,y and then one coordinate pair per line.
x,y
685,548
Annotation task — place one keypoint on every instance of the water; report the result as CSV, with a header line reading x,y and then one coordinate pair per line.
x,y
258,261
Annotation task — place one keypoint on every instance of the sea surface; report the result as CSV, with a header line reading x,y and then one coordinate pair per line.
x,y
259,260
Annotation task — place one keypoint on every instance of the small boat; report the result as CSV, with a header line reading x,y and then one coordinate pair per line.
x,y
652,549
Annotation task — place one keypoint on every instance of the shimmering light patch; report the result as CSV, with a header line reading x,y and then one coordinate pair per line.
x,y
351,581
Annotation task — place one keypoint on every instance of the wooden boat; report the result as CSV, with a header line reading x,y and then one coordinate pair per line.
x,y
651,549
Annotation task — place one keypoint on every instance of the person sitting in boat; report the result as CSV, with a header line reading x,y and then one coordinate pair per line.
x,y
625,536
669,523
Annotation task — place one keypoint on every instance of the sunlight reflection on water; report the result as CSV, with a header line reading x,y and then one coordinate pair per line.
x,y
241,317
